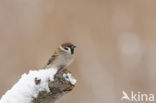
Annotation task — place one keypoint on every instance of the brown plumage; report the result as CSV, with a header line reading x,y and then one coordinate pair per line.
x,y
56,53
68,44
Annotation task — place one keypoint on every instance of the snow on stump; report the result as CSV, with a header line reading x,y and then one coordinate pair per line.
x,y
41,86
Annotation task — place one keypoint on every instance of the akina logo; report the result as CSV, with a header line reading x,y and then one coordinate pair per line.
x,y
137,97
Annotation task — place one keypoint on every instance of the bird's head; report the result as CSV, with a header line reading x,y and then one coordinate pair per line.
x,y
68,47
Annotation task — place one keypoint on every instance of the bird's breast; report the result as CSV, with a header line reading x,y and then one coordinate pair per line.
x,y
63,60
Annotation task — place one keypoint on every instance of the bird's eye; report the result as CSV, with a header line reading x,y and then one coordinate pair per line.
x,y
66,48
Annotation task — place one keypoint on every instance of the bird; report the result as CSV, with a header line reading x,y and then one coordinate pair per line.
x,y
125,96
62,57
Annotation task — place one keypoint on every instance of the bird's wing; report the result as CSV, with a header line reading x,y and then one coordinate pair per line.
x,y
52,58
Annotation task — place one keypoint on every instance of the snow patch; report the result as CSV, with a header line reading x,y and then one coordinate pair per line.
x,y
69,78
26,89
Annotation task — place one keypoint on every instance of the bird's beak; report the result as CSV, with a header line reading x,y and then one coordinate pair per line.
x,y
74,46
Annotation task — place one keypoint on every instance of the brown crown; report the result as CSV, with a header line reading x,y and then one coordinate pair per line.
x,y
67,44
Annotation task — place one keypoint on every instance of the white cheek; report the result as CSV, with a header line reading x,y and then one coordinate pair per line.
x,y
62,48
69,51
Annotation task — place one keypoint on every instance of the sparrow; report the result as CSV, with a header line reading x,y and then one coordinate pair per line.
x,y
62,57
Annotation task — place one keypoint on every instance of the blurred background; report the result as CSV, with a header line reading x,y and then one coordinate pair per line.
x,y
116,44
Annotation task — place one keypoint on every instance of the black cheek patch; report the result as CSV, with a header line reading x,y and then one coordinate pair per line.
x,y
72,50
66,48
